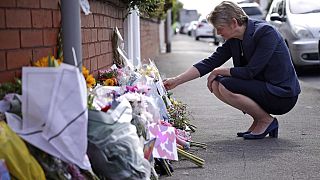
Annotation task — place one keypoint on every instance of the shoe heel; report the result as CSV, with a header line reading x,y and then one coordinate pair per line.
x,y
274,133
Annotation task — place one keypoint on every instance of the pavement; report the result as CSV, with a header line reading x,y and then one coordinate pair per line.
x,y
294,155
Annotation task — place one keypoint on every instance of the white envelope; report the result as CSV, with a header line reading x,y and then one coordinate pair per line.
x,y
54,110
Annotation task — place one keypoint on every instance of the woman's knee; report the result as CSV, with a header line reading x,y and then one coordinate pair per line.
x,y
225,92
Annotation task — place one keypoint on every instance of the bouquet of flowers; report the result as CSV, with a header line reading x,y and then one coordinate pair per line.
x,y
109,77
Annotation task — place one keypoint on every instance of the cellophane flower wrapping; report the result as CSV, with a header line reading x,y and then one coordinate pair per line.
x,y
114,146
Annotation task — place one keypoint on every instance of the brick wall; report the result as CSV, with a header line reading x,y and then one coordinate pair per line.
x,y
97,31
29,29
149,32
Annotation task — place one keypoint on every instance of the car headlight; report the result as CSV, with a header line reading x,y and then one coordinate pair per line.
x,y
302,32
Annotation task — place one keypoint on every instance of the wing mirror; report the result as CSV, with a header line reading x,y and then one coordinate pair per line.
x,y
276,17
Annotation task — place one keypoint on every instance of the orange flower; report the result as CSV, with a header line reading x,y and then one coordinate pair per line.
x,y
90,80
85,71
109,82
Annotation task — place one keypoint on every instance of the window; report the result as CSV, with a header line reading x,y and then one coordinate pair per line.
x,y
252,11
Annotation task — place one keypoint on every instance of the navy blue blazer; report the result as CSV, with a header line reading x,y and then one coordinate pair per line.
x,y
267,55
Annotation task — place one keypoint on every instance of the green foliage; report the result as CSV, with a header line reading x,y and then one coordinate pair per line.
x,y
10,87
150,8
176,6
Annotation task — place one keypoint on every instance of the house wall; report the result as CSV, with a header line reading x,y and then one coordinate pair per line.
x,y
29,30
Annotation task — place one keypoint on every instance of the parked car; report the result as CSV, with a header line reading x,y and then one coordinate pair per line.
x,y
206,30
184,28
192,26
252,10
298,22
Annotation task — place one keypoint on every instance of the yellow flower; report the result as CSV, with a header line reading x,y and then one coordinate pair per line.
x,y
109,82
43,62
90,80
85,71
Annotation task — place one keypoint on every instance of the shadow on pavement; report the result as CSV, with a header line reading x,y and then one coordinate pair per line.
x,y
313,71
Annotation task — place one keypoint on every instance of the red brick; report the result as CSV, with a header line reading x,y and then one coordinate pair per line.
x,y
18,73
109,47
96,20
2,19
85,51
7,3
49,4
28,3
87,35
94,35
56,18
55,50
7,76
108,21
93,6
101,21
92,51
105,21
104,47
3,65
99,8
101,61
87,20
31,38
9,39
41,52
109,60
98,48
50,37
90,20
84,20
105,34
41,18
18,58
113,22
86,63
18,18
93,64
100,34
120,23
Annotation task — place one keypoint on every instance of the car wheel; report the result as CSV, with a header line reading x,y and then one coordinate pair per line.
x,y
216,43
197,38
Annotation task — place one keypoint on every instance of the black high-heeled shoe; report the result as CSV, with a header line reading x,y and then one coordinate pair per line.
x,y
272,130
240,134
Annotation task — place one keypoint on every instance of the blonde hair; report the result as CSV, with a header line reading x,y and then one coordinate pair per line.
x,y
224,12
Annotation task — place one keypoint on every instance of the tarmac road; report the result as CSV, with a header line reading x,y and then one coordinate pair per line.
x,y
294,155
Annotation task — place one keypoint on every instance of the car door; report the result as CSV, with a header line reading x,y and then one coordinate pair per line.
x,y
277,7
282,24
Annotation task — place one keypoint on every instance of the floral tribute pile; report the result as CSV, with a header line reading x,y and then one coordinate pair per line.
x,y
135,128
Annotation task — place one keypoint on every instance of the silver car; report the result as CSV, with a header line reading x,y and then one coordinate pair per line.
x,y
298,21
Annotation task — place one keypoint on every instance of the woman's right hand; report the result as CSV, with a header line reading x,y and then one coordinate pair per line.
x,y
170,83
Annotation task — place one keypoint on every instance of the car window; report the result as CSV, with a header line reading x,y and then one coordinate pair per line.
x,y
277,7
252,11
304,6
281,8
